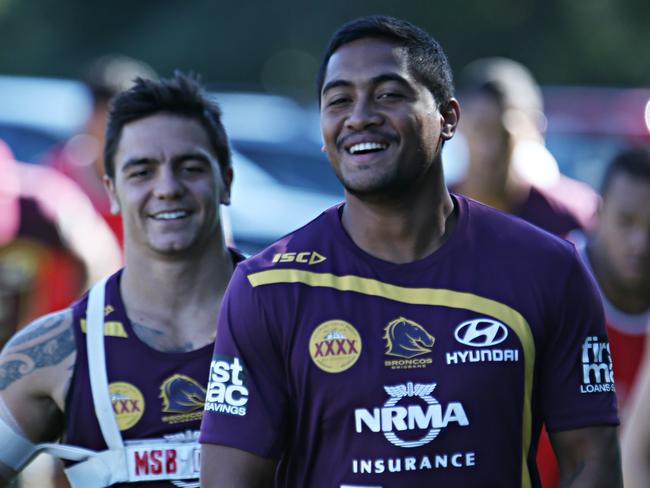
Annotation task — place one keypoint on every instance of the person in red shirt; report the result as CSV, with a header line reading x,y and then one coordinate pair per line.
x,y
52,242
617,252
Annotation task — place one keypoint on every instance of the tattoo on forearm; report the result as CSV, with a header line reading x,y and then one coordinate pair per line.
x,y
17,363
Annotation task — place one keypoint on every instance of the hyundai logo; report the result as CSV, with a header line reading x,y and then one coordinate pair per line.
x,y
481,332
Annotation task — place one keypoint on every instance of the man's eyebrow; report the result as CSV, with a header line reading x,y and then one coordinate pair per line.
x,y
133,162
130,163
335,84
198,156
383,78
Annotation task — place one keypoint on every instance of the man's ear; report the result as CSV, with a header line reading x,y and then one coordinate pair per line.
x,y
227,176
450,117
109,186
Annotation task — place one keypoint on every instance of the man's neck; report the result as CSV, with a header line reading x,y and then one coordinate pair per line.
x,y
626,299
403,229
166,295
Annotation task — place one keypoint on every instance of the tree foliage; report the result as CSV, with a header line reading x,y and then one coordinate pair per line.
x,y
277,45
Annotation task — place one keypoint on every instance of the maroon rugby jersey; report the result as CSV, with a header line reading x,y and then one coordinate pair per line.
x,y
353,371
154,394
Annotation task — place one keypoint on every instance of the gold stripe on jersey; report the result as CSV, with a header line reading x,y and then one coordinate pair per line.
x,y
111,328
427,296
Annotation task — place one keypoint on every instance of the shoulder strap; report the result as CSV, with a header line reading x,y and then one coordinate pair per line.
x,y
97,366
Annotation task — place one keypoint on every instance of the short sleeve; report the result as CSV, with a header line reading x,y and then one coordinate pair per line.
x,y
577,379
246,395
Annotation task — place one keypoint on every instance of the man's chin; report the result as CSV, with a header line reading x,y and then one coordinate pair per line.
x,y
172,248
375,191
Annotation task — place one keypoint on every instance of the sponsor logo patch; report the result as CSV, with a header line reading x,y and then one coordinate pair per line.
x,y
174,457
183,397
596,365
411,417
128,404
427,462
227,390
407,339
335,346
305,257
481,334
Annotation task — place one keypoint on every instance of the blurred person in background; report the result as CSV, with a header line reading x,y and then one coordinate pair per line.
x,y
509,167
130,360
80,157
53,244
617,253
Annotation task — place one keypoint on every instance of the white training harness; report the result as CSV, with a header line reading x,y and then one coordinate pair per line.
x,y
176,457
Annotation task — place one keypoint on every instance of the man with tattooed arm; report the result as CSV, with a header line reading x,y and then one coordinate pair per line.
x,y
136,349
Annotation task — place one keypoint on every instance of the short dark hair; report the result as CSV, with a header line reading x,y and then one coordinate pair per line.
x,y
180,95
426,60
634,161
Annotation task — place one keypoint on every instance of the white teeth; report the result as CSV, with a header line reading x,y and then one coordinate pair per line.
x,y
170,215
366,146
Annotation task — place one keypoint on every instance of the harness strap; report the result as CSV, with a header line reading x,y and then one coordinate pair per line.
x,y
120,462
98,471
97,366
16,450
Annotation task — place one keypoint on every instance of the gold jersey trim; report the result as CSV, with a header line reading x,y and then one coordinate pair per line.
x,y
112,328
434,297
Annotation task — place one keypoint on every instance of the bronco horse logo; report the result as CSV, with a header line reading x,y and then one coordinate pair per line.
x,y
181,394
407,339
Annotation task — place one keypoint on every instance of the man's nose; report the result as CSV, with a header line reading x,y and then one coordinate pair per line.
x,y
363,114
168,184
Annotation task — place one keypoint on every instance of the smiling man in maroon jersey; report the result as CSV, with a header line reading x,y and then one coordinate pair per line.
x,y
435,336
121,374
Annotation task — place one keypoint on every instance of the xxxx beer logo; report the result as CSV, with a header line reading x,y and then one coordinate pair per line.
x,y
335,346
128,404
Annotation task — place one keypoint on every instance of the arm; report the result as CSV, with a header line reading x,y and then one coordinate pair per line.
x,y
588,457
226,466
636,436
581,421
35,371
246,407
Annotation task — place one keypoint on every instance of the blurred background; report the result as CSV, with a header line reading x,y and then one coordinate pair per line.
x,y
260,59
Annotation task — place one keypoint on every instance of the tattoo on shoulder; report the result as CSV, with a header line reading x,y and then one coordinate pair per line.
x,y
38,328
45,342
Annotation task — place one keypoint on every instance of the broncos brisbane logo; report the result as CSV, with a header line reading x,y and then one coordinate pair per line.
x,y
407,339
181,394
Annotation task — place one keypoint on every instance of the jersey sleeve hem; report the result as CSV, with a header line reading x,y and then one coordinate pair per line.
x,y
573,421
238,444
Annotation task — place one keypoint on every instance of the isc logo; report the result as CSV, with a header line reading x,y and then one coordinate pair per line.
x,y
306,257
